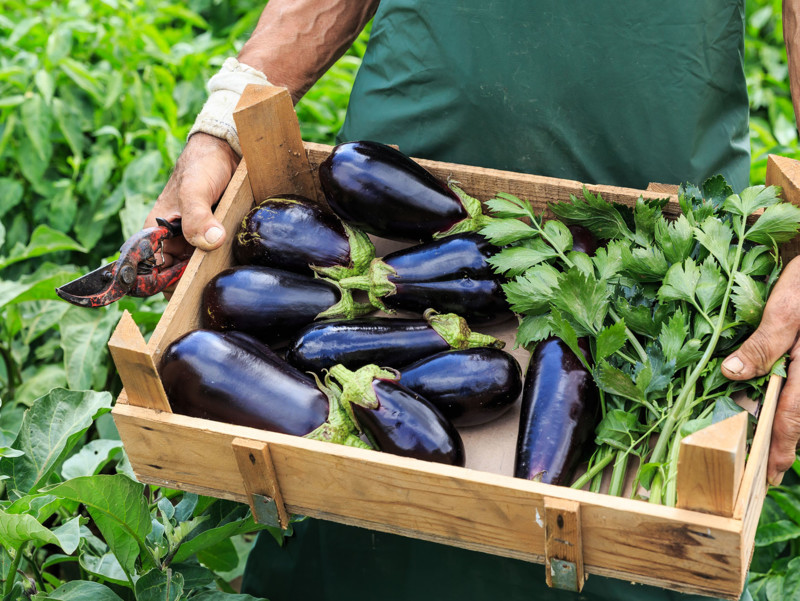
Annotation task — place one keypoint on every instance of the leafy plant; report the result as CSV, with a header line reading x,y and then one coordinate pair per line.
x,y
661,304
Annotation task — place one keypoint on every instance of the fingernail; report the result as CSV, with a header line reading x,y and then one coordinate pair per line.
x,y
213,234
733,365
776,480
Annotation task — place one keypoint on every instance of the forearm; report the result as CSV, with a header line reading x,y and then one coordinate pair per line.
x,y
296,41
791,36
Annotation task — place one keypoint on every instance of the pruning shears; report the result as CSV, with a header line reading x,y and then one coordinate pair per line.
x,y
135,273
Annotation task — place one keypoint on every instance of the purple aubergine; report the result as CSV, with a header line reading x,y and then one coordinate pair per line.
x,y
294,233
469,386
558,414
450,275
385,341
399,421
582,240
381,191
268,303
233,378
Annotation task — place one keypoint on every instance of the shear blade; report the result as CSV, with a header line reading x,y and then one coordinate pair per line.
x,y
87,290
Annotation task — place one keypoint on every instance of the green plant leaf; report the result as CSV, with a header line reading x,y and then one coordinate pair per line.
x,y
711,286
673,334
791,583
752,199
777,224
531,292
157,585
598,216
119,509
645,264
675,238
16,529
615,381
507,206
608,260
79,590
44,240
105,566
49,430
37,120
39,285
747,299
533,328
502,232
84,336
515,260
716,237
584,299
680,282
617,429
91,458
775,532
558,235
610,340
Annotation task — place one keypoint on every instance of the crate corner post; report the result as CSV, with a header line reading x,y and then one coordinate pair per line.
x,y
563,544
272,145
136,366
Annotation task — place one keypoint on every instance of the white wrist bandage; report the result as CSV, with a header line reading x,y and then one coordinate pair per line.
x,y
224,89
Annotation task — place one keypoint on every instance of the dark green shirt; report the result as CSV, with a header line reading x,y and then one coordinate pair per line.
x,y
626,92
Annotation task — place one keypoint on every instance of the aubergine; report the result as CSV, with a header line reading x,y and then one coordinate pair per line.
x,y
469,386
293,233
386,341
234,378
582,240
395,419
383,192
450,275
271,304
558,414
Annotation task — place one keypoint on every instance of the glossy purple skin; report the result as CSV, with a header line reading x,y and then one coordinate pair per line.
x,y
452,257
268,303
480,302
357,342
291,232
469,386
234,378
383,192
582,240
558,414
406,424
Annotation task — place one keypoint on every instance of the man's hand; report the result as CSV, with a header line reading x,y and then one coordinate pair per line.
x,y
778,333
200,177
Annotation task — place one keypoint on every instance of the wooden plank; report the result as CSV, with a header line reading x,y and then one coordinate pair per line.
x,y
563,544
754,483
484,184
258,475
272,144
710,466
182,314
666,189
785,172
136,367
626,538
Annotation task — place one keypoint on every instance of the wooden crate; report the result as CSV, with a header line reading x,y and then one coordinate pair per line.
x,y
704,546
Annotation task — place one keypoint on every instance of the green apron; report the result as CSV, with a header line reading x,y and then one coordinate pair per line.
x,y
622,93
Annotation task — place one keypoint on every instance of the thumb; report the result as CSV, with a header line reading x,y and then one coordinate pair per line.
x,y
200,227
758,353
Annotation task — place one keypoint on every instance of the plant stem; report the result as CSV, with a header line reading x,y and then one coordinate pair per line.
x,y
11,577
596,468
618,473
655,488
688,388
671,485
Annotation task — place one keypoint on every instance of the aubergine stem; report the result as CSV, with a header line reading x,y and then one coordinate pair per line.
x,y
347,307
375,282
357,387
475,220
362,252
455,331
339,428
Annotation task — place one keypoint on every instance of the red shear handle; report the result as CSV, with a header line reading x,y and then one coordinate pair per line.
x,y
157,280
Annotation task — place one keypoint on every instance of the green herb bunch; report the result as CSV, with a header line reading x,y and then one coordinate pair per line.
x,y
662,302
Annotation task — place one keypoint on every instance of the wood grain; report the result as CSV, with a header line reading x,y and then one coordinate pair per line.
x,y
563,541
136,366
271,144
258,475
710,466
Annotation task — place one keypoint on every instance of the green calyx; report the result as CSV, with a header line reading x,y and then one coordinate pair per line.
x,y
362,252
347,307
339,427
357,386
375,283
475,219
455,331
